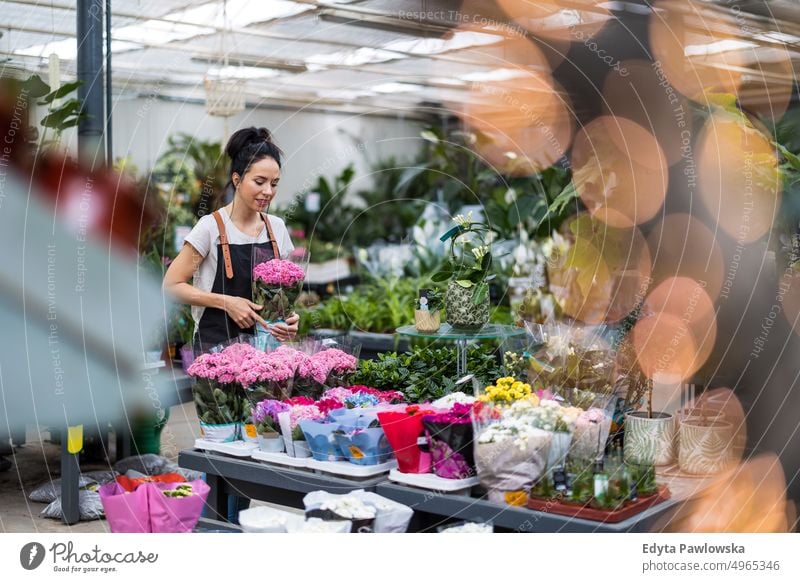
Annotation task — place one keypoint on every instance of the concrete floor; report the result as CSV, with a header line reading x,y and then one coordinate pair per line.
x,y
38,461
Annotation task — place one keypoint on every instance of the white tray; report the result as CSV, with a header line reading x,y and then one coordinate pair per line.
x,y
280,459
348,469
235,448
431,481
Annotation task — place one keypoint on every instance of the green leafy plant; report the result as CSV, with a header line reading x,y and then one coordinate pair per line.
x,y
425,373
380,306
388,212
218,403
435,300
59,117
195,168
335,211
450,168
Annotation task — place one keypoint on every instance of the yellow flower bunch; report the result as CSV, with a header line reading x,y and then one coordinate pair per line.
x,y
506,390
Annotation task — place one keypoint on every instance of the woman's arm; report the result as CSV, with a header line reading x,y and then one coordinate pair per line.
x,y
242,311
178,274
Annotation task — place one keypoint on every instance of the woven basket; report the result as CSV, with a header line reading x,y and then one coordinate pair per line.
x,y
427,321
224,97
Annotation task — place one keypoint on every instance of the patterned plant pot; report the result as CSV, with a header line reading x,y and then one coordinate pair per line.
x,y
650,441
705,445
427,321
462,313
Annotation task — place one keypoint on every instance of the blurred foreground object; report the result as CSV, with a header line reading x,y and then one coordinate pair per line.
x,y
75,312
750,498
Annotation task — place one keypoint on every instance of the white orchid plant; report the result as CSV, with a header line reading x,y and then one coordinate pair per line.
x,y
471,268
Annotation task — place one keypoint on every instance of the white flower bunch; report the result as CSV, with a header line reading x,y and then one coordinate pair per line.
x,y
551,416
460,220
349,507
560,346
480,252
517,429
470,527
521,409
448,400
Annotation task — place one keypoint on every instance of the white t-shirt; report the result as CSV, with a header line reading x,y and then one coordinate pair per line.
x,y
204,237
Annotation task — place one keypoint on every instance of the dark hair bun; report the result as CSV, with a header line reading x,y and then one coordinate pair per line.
x,y
249,145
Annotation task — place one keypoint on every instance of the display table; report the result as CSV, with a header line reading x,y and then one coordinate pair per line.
x,y
432,509
461,338
285,486
248,478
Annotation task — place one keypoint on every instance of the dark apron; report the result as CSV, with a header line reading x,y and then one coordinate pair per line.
x,y
216,326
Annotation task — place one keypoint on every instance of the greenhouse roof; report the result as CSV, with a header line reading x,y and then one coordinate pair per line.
x,y
387,54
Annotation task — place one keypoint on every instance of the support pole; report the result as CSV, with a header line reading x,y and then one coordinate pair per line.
x,y
90,71
109,86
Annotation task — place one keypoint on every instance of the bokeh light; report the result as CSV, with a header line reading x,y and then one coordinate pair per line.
x,y
619,171
768,90
789,291
604,274
560,20
677,330
738,176
681,245
641,97
750,497
526,122
696,48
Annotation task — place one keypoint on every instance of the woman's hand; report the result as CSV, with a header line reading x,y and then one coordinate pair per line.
x,y
287,330
243,311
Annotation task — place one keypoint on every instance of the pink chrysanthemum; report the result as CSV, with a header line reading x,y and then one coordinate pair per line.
x,y
278,273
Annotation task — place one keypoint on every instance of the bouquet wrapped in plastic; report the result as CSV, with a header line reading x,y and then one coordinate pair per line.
x,y
268,430
576,363
510,452
364,446
277,285
327,368
300,408
591,432
218,396
559,421
340,366
450,440
154,507
368,511
403,429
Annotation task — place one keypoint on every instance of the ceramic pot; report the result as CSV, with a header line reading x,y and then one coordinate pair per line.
x,y
650,441
462,313
705,445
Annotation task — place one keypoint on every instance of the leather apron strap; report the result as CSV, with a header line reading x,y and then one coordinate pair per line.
x,y
275,253
223,241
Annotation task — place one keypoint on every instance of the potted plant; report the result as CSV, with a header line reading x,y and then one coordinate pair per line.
x,y
706,442
265,416
427,317
650,437
467,296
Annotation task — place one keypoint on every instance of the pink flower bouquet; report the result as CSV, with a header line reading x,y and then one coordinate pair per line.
x,y
217,394
276,286
339,366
